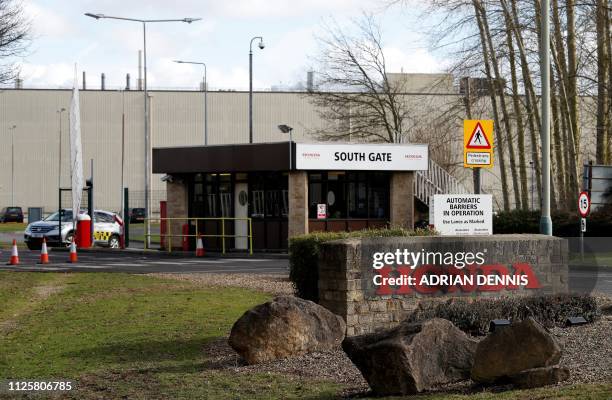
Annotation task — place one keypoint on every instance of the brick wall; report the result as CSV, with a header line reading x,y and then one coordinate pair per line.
x,y
346,273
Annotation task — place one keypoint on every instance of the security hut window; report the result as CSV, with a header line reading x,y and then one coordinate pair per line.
x,y
352,195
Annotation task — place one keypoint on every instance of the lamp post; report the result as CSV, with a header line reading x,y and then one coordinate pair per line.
x,y
12,129
205,97
545,220
147,168
261,46
59,162
59,166
287,129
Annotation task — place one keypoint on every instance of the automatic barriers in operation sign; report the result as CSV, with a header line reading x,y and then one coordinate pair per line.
x,y
463,214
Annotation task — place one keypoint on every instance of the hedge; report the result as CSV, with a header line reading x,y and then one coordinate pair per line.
x,y
474,315
564,224
304,253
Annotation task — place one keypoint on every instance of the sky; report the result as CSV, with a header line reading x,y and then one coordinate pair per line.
x,y
63,36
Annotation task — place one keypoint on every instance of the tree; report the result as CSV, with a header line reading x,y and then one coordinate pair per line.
x,y
14,37
355,93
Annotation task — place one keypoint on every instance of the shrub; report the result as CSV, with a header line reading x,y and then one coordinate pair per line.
x,y
474,315
564,224
304,254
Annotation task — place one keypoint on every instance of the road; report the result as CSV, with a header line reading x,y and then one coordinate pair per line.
x,y
581,279
141,264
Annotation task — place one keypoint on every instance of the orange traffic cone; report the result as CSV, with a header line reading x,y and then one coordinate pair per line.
x,y
44,254
14,260
199,247
73,253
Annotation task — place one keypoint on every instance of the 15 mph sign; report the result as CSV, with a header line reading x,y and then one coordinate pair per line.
x,y
584,204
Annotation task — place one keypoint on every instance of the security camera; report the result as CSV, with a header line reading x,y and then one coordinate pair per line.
x,y
261,44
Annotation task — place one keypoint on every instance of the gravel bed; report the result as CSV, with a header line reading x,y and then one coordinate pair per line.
x,y
587,352
276,284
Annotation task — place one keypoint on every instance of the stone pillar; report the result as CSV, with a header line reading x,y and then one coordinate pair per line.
x,y
176,207
402,199
298,203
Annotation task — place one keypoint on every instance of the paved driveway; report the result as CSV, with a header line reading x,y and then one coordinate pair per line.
x,y
135,262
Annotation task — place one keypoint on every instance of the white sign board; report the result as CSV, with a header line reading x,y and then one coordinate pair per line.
x,y
321,211
364,157
582,224
463,214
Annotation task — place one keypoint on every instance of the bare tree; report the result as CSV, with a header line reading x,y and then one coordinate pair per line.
x,y
14,37
355,94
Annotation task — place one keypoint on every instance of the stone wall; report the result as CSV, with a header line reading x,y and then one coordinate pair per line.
x,y
346,274
401,192
177,204
298,203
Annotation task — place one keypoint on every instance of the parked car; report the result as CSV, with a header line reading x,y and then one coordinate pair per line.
x,y
108,228
11,214
137,215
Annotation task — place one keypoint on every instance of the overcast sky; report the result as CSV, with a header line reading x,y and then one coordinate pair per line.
x,y
64,36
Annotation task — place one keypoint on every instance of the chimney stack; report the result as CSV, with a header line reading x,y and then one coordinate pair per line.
x,y
139,69
127,81
102,82
84,81
310,81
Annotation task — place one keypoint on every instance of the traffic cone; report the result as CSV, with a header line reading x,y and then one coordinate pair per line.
x,y
73,253
199,247
14,260
44,254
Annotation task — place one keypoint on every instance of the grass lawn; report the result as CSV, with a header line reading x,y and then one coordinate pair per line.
x,y
12,227
137,337
599,259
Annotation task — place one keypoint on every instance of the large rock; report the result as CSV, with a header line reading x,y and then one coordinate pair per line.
x,y
412,357
536,377
512,349
285,327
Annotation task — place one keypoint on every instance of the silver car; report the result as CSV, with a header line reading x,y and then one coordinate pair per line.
x,y
108,228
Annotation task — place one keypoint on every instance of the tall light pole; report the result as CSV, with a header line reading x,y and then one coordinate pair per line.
x,y
147,169
205,97
12,129
287,129
59,162
545,220
261,46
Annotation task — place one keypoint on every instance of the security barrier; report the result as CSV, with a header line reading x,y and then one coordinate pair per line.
x,y
166,237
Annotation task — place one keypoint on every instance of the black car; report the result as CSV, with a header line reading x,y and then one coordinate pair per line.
x,y
11,214
137,215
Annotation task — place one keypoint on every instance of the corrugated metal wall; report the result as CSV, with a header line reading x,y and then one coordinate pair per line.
x,y
178,120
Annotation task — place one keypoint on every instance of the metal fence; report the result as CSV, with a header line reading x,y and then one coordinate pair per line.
x,y
165,231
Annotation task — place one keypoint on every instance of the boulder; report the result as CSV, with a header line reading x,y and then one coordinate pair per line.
x,y
512,349
284,327
536,377
412,357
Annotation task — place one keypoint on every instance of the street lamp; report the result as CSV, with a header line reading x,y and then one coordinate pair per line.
x,y
545,220
12,129
287,129
261,46
205,97
59,169
147,169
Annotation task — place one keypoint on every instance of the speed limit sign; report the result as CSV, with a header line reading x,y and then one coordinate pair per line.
x,y
584,204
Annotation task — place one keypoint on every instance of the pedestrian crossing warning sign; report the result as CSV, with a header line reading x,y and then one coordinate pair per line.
x,y
478,143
